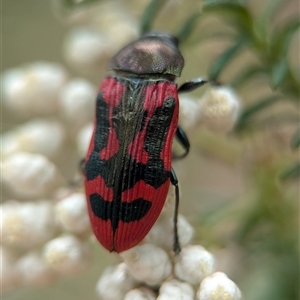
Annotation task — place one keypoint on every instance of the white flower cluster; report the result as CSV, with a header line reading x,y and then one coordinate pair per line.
x,y
47,227
150,270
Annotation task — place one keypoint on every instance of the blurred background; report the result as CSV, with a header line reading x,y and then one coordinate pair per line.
x,y
240,190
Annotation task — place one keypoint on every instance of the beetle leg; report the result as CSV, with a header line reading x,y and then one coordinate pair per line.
x,y
192,85
174,181
184,141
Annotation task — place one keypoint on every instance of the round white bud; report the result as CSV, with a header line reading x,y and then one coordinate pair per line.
x,y
67,255
27,225
218,286
34,271
162,233
148,263
37,136
141,293
77,102
72,214
176,290
188,114
193,264
115,282
30,174
218,109
86,49
120,27
34,89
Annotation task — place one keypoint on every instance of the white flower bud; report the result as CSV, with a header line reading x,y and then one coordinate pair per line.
x,y
115,282
36,136
86,49
83,139
33,89
140,294
122,28
162,233
148,263
176,290
193,264
34,271
218,109
218,286
27,225
30,174
67,255
77,101
188,114
9,275
72,213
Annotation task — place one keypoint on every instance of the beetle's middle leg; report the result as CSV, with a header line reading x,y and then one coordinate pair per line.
x,y
184,141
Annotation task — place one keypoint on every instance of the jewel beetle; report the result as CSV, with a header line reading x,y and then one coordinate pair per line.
x,y
128,168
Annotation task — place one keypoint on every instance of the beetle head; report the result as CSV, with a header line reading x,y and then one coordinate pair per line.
x,y
153,53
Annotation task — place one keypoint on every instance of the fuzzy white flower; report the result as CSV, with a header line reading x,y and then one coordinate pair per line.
x,y
27,225
36,136
188,114
86,49
162,233
115,282
34,88
218,286
72,213
67,255
77,102
123,26
148,263
193,264
176,290
219,108
34,271
141,293
30,174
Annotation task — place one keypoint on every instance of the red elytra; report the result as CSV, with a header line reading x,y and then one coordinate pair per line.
x,y
128,164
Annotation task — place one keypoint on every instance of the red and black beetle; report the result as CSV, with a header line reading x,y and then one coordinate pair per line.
x,y
128,164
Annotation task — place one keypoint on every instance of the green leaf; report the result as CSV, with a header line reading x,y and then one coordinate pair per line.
x,y
224,58
282,38
233,11
295,141
255,108
188,26
262,22
279,73
150,13
292,172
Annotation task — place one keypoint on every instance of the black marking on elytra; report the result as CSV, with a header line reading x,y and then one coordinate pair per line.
x,y
129,212
121,172
102,123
